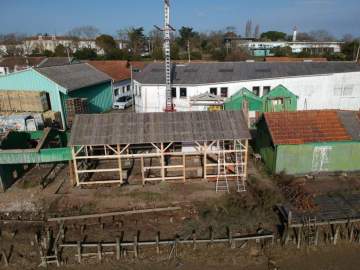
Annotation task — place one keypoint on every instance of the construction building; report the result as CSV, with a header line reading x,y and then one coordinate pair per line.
x,y
318,85
61,83
170,147
303,142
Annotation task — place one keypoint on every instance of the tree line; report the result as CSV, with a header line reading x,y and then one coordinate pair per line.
x,y
134,44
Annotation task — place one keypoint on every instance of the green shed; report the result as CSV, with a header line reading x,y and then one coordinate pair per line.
x,y
279,99
305,142
63,82
236,101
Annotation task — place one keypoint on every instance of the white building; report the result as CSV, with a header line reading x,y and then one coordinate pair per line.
x,y
319,85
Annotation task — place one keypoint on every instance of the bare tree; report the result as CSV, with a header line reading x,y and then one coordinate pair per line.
x,y
87,31
322,35
248,29
257,32
347,38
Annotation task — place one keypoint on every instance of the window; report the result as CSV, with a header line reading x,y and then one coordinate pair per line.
x,y
224,92
213,91
173,92
116,92
266,90
128,88
256,90
183,92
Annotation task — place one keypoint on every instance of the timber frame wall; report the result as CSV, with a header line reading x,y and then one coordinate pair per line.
x,y
236,153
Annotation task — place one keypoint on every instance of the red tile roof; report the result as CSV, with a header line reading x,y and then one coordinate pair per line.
x,y
118,70
305,127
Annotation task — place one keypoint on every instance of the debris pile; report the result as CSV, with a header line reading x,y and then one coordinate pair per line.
x,y
297,195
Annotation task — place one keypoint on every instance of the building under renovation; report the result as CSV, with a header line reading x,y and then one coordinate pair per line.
x,y
170,147
310,141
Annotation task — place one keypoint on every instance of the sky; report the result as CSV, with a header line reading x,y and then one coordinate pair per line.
x,y
339,17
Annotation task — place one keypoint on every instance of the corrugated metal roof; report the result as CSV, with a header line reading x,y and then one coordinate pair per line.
x,y
305,127
205,73
74,76
139,128
351,121
56,61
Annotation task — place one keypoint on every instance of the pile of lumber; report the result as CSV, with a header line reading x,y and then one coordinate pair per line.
x,y
75,106
298,197
23,101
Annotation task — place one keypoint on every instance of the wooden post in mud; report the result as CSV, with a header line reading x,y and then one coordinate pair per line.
x,y
99,251
5,258
211,235
316,235
118,248
136,245
157,243
336,236
79,251
299,234
351,235
194,239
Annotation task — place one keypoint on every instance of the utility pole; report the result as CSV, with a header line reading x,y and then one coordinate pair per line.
x,y
167,38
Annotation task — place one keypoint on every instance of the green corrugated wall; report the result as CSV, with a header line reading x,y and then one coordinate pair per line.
x,y
30,80
99,96
299,159
280,91
235,102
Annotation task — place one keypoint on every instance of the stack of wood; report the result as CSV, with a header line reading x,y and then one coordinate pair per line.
x,y
297,195
23,101
75,106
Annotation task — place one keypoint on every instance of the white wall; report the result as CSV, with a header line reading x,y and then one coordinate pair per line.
x,y
334,91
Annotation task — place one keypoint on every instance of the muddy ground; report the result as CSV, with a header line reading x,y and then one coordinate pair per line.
x,y
202,208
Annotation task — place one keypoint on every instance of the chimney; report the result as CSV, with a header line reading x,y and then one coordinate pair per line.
x,y
295,34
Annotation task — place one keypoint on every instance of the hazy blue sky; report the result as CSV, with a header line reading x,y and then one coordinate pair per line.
x,y
33,16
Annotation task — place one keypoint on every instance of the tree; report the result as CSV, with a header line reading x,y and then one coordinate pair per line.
x,y
238,54
273,35
257,32
347,38
248,29
321,36
85,54
302,36
186,34
60,51
350,49
106,43
87,32
136,39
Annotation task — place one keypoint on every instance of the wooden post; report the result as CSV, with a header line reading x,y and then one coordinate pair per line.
x,y
99,251
75,167
299,236
5,258
142,171
162,161
157,243
119,163
194,239
118,248
205,161
336,236
351,236
79,251
211,234
184,167
316,235
136,245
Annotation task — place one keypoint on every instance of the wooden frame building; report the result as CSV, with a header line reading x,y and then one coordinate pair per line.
x,y
167,144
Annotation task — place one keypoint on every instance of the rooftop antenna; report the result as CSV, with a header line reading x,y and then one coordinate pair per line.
x,y
167,29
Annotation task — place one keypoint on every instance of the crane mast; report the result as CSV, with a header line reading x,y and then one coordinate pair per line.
x,y
167,28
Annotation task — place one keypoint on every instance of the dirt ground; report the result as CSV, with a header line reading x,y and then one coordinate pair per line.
x,y
201,206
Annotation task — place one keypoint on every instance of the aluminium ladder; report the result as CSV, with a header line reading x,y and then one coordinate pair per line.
x,y
221,179
239,168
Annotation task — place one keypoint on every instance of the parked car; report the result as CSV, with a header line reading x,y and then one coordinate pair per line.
x,y
122,103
